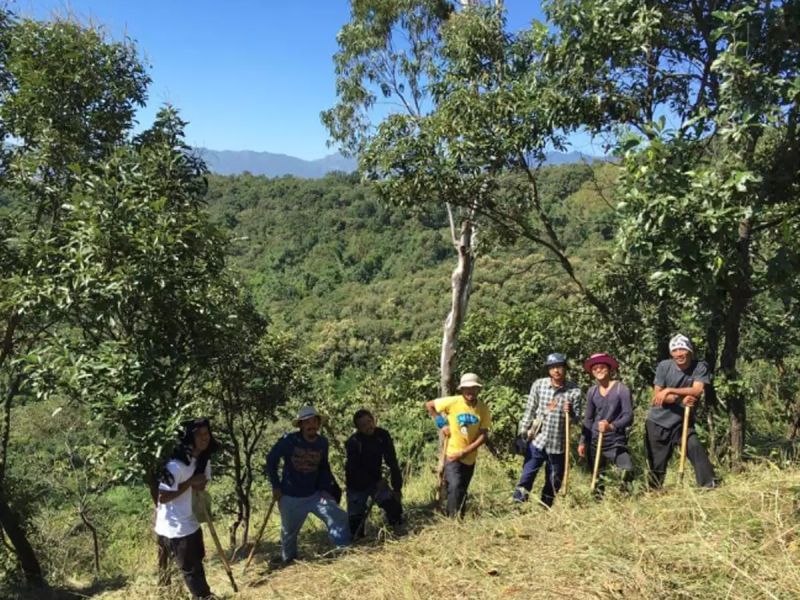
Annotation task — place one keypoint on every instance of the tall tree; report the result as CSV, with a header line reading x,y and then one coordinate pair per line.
x,y
703,96
68,98
467,105
144,270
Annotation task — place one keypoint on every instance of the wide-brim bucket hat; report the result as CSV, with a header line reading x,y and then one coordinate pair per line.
x,y
309,412
601,358
469,380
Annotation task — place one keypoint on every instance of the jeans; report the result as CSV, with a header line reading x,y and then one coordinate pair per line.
x,y
357,501
188,552
660,442
457,475
295,510
554,474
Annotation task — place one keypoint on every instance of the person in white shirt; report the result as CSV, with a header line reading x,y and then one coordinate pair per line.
x,y
188,469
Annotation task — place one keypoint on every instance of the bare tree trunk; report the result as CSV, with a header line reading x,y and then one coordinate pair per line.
x,y
95,542
460,285
5,427
10,523
711,401
740,296
248,488
238,477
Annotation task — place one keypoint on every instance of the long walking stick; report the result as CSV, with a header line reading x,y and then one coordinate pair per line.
x,y
566,453
684,439
221,553
597,455
260,534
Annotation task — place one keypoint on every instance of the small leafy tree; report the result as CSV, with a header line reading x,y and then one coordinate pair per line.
x,y
253,373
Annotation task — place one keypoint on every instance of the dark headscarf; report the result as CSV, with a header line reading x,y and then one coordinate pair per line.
x,y
183,450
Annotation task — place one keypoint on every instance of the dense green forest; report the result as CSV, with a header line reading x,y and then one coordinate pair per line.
x,y
137,289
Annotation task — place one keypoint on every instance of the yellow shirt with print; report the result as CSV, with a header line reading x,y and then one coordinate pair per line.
x,y
465,422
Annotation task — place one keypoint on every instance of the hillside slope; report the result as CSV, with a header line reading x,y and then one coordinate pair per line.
x,y
740,541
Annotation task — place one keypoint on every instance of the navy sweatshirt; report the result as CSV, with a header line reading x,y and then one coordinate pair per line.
x,y
305,465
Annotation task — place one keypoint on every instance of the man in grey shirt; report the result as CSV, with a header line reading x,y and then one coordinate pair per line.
x,y
679,382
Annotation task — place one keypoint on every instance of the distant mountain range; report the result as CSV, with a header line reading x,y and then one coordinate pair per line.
x,y
233,162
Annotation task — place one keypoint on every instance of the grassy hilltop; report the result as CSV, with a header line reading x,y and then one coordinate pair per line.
x,y
740,541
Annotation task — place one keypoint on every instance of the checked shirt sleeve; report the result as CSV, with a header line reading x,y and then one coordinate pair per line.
x,y
575,404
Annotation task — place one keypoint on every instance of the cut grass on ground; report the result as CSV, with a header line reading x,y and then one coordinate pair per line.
x,y
739,541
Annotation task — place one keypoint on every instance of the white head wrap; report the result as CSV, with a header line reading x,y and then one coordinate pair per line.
x,y
680,342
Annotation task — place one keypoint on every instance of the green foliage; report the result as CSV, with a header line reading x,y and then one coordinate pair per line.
x,y
73,93
710,180
68,98
120,314
139,263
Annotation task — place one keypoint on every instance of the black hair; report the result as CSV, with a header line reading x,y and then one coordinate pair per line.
x,y
183,450
361,412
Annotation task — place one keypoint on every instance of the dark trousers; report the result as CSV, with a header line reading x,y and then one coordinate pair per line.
x,y
554,474
457,475
188,552
618,456
659,444
358,504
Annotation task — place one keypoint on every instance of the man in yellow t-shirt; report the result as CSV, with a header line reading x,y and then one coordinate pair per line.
x,y
465,421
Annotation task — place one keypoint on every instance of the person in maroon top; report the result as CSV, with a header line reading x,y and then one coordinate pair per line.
x,y
609,410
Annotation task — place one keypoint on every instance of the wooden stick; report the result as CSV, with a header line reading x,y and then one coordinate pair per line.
x,y
684,439
220,551
258,537
566,452
597,455
370,502
440,472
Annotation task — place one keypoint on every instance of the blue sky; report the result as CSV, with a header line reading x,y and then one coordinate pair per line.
x,y
246,74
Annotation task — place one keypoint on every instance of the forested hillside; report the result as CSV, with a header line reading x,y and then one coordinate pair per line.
x,y
138,290
353,276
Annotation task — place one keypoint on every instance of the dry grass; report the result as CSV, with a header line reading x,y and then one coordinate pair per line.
x,y
740,541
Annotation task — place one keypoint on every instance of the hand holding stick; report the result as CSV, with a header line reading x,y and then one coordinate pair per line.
x,y
597,455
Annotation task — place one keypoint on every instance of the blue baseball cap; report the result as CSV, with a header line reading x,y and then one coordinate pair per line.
x,y
555,359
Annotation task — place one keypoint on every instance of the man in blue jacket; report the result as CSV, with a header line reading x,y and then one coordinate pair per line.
x,y
306,483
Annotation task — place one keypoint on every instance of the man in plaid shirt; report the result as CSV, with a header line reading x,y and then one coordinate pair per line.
x,y
543,427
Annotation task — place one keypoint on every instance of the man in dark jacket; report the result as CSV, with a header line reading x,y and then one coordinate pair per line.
x,y
368,449
306,483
